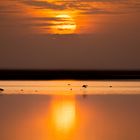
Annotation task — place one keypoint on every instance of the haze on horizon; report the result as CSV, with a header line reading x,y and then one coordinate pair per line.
x,y
70,34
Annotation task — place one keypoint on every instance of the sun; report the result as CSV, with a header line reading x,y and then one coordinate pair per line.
x,y
63,16
64,24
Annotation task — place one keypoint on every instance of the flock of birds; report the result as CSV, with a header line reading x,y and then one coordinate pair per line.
x,y
83,86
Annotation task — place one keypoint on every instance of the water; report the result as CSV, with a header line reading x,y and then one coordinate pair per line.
x,y
70,117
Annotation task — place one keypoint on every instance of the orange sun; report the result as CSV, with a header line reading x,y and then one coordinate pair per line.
x,y
64,24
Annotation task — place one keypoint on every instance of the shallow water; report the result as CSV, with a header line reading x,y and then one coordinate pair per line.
x,y
72,87
69,117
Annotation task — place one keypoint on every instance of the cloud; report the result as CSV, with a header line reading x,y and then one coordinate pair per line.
x,y
43,4
79,5
84,6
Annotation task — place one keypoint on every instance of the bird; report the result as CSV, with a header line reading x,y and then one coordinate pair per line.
x,y
1,89
85,86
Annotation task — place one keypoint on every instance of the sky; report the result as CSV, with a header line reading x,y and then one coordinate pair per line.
x,y
70,34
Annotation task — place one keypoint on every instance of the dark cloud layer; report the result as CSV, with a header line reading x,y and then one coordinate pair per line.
x,y
44,4
80,4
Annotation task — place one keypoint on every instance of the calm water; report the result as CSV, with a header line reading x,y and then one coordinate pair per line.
x,y
69,117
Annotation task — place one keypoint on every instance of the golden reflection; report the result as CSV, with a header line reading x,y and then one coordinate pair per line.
x,y
63,116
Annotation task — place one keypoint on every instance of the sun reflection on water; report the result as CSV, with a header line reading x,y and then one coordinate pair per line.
x,y
63,116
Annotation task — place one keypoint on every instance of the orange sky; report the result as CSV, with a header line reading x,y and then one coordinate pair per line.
x,y
42,15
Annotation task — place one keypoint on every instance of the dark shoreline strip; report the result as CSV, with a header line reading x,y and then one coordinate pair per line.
x,y
69,74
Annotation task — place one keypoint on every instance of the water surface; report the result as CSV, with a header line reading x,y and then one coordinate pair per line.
x,y
69,117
